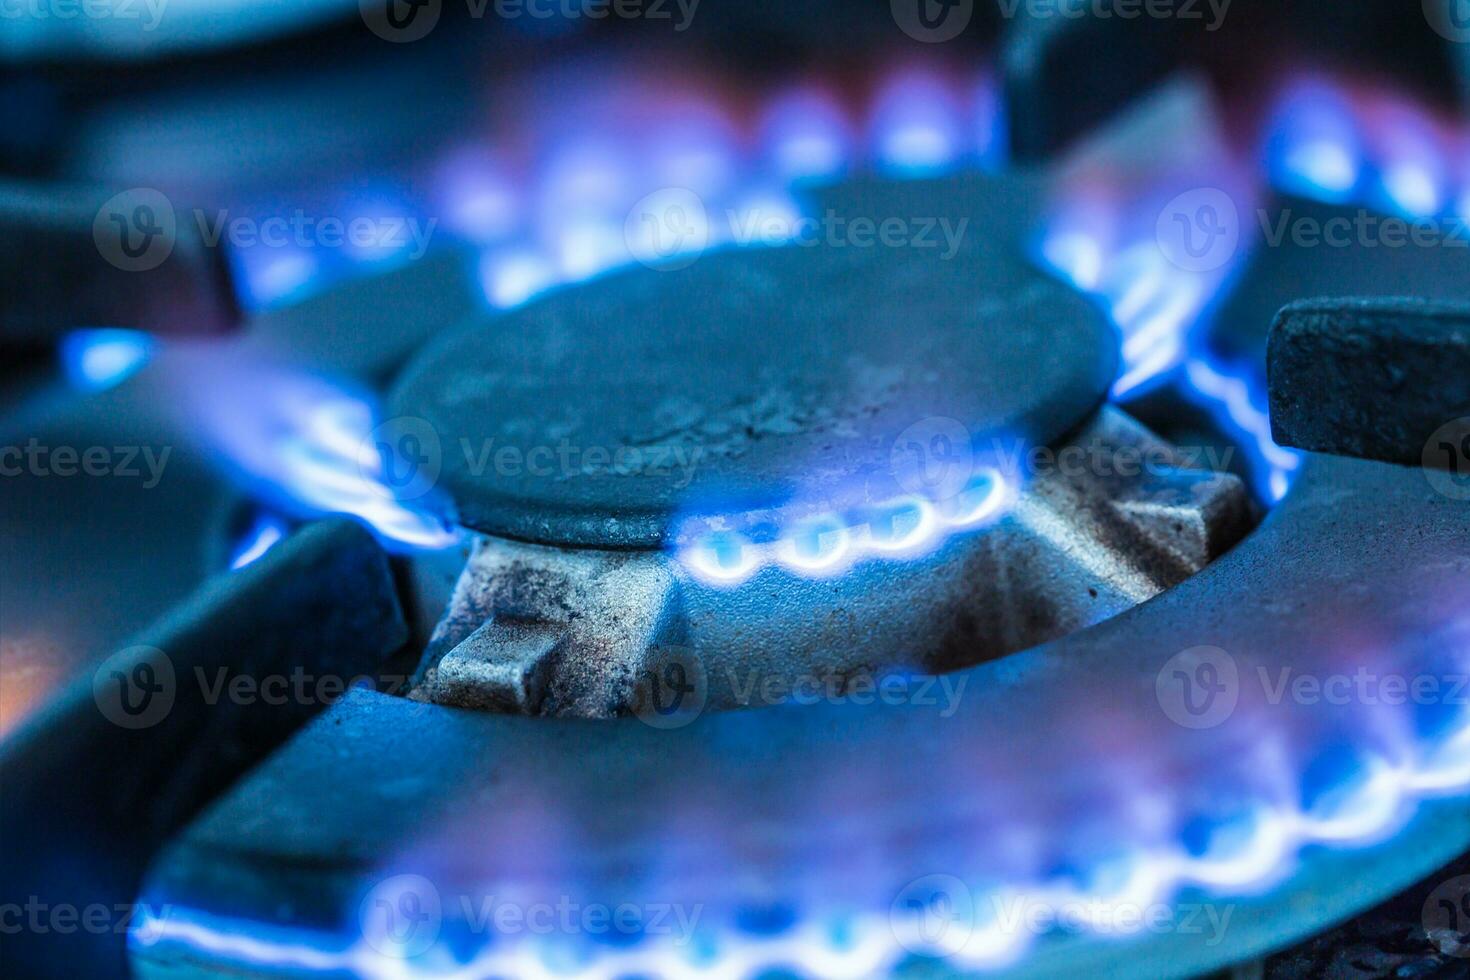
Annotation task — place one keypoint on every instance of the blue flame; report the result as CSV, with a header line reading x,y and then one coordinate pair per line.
x,y
1238,403
830,543
1239,857
312,451
95,360
307,446
1332,144
265,533
1153,303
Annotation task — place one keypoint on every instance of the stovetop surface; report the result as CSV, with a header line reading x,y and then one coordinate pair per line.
x,y
657,494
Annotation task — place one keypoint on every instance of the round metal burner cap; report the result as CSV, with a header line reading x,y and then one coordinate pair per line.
x,y
607,414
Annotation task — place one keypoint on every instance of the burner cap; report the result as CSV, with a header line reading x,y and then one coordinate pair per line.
x,y
606,414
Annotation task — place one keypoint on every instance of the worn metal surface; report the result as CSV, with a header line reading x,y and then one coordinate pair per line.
x,y
1294,260
96,782
1082,542
1372,378
1360,567
745,380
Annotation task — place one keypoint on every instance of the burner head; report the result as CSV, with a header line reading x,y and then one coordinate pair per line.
x,y
605,414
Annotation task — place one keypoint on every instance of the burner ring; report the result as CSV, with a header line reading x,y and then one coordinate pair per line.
x,y
605,414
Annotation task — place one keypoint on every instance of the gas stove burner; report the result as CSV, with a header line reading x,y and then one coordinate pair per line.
x,y
730,535
754,380
849,433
